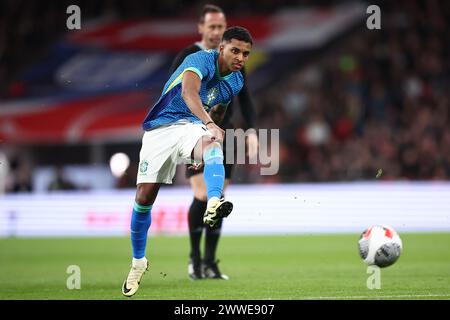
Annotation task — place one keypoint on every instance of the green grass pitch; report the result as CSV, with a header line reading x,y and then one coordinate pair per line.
x,y
260,267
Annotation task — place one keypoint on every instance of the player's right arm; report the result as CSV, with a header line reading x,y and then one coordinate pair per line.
x,y
190,88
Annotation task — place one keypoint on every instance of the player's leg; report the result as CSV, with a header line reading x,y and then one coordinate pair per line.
x,y
210,269
141,218
140,223
197,145
195,221
214,177
157,165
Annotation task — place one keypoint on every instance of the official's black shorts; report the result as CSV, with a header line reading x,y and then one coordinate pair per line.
x,y
228,167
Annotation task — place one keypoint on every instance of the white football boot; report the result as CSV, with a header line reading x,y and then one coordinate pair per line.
x,y
215,210
131,284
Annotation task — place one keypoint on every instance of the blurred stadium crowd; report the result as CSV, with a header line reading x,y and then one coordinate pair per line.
x,y
28,27
374,99
377,100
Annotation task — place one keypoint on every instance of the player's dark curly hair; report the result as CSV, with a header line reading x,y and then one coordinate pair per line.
x,y
238,33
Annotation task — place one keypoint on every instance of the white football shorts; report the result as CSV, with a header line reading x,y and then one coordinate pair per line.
x,y
163,148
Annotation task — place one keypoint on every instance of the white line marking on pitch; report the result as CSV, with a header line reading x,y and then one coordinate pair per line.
x,y
381,297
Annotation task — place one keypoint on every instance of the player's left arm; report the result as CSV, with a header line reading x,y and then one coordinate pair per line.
x,y
217,112
249,116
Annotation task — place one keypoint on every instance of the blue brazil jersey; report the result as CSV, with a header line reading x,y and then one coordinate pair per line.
x,y
214,90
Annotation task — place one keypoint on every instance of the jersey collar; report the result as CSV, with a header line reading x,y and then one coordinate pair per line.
x,y
218,72
199,44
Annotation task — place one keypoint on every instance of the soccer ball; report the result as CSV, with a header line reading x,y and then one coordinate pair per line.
x,y
380,246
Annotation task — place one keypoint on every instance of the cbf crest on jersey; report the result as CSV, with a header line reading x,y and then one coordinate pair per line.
x,y
212,95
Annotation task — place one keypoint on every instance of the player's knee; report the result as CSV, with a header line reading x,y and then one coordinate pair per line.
x,y
202,145
208,144
143,196
213,153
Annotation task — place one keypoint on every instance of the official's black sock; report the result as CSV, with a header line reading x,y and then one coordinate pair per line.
x,y
212,235
195,222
